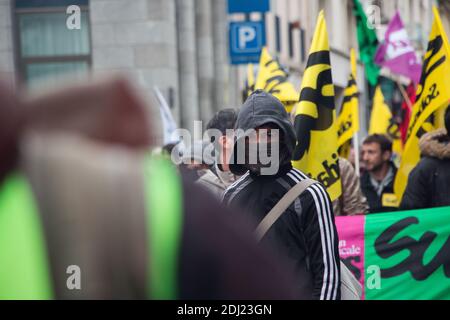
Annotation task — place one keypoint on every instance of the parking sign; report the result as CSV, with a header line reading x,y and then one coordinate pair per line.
x,y
246,41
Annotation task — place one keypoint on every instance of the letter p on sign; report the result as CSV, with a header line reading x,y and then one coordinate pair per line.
x,y
247,38
246,34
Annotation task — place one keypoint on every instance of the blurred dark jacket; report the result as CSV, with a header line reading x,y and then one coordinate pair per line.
x,y
429,182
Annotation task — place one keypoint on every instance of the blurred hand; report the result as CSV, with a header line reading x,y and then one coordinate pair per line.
x,y
108,111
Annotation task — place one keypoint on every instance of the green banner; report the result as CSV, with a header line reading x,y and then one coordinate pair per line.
x,y
407,255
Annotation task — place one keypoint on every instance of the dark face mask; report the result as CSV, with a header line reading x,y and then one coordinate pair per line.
x,y
260,156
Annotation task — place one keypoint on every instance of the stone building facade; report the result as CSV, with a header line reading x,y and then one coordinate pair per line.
x,y
181,46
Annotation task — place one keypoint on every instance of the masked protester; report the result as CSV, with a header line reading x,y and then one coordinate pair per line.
x,y
428,183
305,232
377,182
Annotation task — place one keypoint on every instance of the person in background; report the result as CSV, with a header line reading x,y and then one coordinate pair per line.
x,y
428,183
377,182
352,201
167,149
219,177
352,159
195,160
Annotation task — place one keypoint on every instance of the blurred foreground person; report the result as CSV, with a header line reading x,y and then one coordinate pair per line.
x,y
219,177
429,182
86,214
377,182
304,230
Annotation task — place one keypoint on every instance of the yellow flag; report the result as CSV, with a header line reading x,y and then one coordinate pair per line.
x,y
250,83
433,93
315,118
274,80
439,117
382,122
381,114
348,120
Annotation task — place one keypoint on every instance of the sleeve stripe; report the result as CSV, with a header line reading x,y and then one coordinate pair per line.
x,y
300,173
296,180
234,184
323,237
325,205
325,245
243,182
334,261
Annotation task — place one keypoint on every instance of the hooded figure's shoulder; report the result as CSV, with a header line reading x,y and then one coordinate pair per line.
x,y
235,187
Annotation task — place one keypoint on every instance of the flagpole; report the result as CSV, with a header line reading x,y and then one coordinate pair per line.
x,y
356,148
404,94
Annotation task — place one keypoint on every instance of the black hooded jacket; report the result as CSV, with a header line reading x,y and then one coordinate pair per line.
x,y
305,234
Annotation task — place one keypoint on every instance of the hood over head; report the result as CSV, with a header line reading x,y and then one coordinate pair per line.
x,y
262,108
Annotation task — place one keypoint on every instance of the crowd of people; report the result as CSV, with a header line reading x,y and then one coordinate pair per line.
x,y
369,191
306,233
241,234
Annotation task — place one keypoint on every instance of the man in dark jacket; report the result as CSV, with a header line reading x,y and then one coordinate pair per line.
x,y
377,182
305,233
428,182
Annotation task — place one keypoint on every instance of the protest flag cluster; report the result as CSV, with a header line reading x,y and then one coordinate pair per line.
x,y
348,120
313,108
433,93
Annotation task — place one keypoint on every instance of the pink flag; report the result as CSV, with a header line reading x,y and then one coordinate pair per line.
x,y
351,245
396,52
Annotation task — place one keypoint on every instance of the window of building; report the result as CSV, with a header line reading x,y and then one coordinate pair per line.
x,y
45,47
291,40
302,45
278,33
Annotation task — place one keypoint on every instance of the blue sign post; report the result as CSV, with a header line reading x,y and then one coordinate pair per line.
x,y
247,6
246,41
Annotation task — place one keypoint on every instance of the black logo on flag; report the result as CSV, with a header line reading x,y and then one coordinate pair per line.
x,y
385,248
304,123
433,48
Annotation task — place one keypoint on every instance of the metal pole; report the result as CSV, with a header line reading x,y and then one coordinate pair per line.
x,y
405,95
356,148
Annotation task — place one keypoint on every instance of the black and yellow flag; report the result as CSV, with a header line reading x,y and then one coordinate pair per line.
x,y
348,120
433,93
273,79
315,118
382,121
